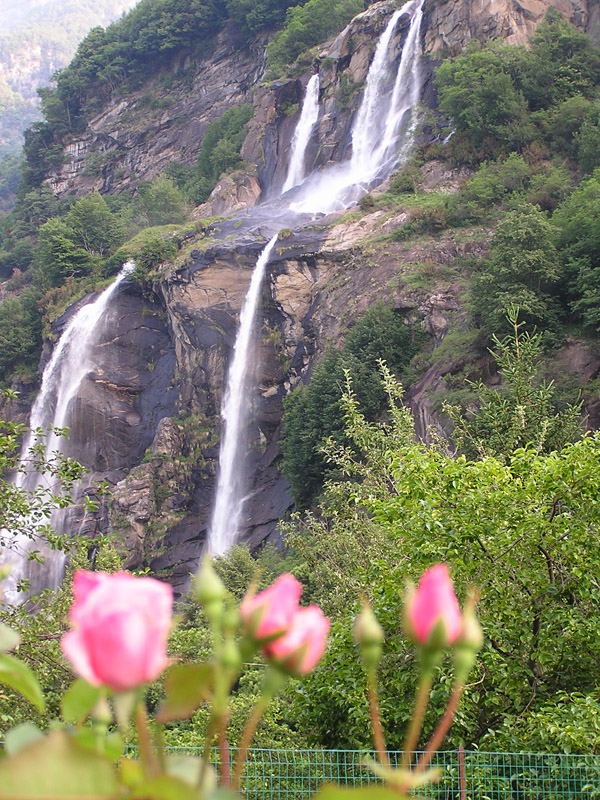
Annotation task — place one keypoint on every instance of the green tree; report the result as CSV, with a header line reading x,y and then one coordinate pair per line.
x,y
58,253
20,332
162,202
523,270
577,236
92,225
522,413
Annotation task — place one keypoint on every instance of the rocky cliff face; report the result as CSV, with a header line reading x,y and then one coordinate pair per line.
x,y
450,24
148,416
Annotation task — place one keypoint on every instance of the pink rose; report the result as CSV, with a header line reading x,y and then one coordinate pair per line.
x,y
269,613
298,650
433,601
120,627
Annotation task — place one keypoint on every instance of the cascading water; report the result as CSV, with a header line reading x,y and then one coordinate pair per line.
x,y
229,502
308,119
377,141
69,364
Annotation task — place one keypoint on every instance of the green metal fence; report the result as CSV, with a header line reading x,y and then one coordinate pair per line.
x,y
298,774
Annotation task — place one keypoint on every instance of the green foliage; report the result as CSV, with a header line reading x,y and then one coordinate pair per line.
x,y
523,270
221,143
522,414
476,90
502,98
518,531
312,413
577,223
162,202
251,16
20,332
309,24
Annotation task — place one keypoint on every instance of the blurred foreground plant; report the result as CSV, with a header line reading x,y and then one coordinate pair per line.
x,y
118,644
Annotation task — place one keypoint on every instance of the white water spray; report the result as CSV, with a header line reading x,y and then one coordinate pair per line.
x,y
63,374
308,119
383,128
229,502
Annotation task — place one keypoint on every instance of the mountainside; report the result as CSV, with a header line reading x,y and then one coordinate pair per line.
x,y
146,418
38,39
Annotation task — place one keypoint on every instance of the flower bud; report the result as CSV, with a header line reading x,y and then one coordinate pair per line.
x,y
468,644
368,634
432,615
209,590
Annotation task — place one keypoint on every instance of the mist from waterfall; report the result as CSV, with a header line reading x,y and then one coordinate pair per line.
x,y
378,140
229,499
308,119
69,364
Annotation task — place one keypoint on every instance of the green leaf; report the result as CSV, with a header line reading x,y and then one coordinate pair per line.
x,y
8,638
186,687
333,792
20,737
56,768
20,678
167,788
78,701
187,769
131,772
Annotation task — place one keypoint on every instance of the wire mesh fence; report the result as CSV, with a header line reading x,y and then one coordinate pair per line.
x,y
278,774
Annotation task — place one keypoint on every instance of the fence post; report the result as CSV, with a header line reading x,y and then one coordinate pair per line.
x,y
461,773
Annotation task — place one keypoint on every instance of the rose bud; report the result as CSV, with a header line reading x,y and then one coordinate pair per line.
x,y
432,614
269,613
299,650
120,627
368,634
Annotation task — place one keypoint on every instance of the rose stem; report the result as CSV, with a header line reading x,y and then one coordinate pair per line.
x,y
442,728
378,736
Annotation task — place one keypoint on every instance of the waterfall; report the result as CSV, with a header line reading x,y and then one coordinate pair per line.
x,y
383,127
306,123
229,501
378,140
63,374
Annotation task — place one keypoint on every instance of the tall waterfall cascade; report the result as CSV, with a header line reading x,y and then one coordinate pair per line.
x,y
383,128
308,119
379,140
229,499
62,377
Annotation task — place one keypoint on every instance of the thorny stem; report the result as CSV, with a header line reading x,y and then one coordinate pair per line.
x,y
416,723
378,736
442,728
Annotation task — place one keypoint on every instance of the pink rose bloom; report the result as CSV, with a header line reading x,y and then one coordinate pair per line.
x,y
302,646
120,628
269,613
434,600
